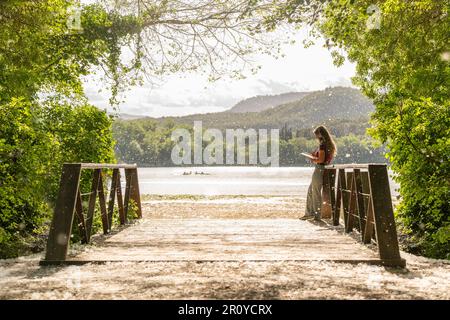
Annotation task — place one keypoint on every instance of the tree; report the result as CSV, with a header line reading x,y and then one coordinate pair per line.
x,y
24,144
214,37
48,46
402,53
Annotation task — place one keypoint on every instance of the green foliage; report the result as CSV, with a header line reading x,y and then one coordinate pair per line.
x,y
25,152
39,53
344,110
147,142
402,51
35,141
84,131
402,66
144,142
44,118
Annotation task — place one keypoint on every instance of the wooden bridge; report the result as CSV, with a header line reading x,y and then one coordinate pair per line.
x,y
356,201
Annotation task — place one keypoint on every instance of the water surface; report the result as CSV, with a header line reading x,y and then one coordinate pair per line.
x,y
226,180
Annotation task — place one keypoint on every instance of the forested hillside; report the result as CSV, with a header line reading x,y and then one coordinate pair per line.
x,y
260,103
345,111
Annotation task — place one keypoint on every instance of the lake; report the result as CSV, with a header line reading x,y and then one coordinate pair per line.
x,y
227,180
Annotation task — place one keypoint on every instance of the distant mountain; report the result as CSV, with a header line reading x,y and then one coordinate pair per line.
x,y
343,109
260,103
331,104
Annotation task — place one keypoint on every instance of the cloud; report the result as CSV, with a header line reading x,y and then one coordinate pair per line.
x,y
276,87
180,94
339,82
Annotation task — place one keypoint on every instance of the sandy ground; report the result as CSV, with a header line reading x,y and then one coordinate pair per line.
x,y
23,278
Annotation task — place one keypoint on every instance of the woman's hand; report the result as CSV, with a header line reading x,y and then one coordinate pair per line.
x,y
320,158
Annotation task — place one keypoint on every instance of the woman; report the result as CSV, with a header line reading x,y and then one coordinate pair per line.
x,y
321,157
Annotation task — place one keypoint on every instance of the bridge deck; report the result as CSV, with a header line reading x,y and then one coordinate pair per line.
x,y
226,239
220,227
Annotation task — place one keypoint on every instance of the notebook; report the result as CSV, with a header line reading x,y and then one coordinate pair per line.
x,y
308,155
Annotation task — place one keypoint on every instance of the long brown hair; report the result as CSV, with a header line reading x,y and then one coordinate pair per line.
x,y
326,138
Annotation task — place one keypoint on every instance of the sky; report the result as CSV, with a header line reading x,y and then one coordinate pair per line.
x,y
181,94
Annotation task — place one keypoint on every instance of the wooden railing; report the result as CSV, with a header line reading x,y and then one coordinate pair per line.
x,y
362,195
69,204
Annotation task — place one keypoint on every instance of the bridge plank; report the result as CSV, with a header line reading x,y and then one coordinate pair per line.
x,y
227,239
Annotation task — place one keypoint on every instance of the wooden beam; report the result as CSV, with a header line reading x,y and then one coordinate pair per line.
x,y
61,226
341,185
122,216
333,189
383,213
133,190
80,218
92,200
107,166
369,227
327,194
351,202
112,195
126,201
135,193
360,201
102,202
348,166
346,195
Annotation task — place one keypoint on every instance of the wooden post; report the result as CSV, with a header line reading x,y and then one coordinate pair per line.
x,y
112,195
341,185
126,200
61,226
122,216
328,197
81,220
368,230
102,202
132,190
69,203
346,198
383,213
333,189
351,202
92,200
135,193
360,200
365,187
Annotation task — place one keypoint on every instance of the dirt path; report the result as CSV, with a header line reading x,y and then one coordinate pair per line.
x,y
236,217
